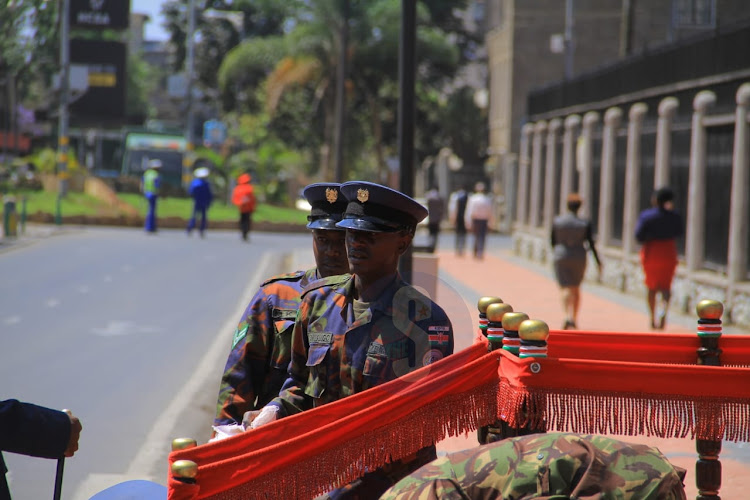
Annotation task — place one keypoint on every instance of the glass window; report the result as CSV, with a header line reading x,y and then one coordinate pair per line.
x,y
698,13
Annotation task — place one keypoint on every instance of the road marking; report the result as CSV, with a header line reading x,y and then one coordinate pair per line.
x,y
150,456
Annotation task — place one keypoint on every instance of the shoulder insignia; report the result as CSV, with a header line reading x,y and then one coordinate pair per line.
x,y
295,276
239,335
332,281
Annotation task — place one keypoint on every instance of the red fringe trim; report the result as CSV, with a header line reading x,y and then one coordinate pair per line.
x,y
325,471
662,415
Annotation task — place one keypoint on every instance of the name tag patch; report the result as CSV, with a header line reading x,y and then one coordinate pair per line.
x,y
320,338
281,314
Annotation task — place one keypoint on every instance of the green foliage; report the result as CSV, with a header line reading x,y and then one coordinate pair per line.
x,y
45,160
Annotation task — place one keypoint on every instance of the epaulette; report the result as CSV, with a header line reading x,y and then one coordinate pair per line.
x,y
295,276
332,281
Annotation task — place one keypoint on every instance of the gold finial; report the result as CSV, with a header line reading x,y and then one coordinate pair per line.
x,y
185,469
486,301
363,195
183,443
533,329
332,195
512,320
497,310
709,309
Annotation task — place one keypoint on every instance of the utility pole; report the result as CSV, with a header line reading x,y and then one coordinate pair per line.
x,y
338,150
187,162
63,140
406,71
570,43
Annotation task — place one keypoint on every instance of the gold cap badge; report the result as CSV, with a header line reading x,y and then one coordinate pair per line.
x,y
363,195
332,195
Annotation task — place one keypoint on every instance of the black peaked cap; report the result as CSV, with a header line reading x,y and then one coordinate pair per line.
x,y
379,209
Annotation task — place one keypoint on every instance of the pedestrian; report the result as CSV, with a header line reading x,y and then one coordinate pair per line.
x,y
478,217
358,331
261,346
436,208
244,197
200,191
552,465
570,237
657,230
150,186
36,431
456,213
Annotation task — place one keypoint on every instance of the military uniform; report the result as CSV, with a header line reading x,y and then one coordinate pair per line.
x,y
547,466
335,354
261,346
341,346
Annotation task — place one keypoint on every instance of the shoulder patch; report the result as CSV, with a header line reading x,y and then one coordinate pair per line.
x,y
239,334
332,281
295,276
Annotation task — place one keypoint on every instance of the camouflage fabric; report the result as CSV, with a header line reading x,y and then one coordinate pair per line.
x,y
335,354
547,466
261,347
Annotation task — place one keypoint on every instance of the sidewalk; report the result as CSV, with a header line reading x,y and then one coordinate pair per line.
x,y
532,289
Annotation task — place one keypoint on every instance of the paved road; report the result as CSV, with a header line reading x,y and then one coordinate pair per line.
x,y
128,330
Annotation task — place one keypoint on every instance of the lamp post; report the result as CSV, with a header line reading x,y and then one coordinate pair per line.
x,y
189,69
63,140
406,113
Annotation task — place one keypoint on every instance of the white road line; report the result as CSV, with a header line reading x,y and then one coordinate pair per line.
x,y
151,454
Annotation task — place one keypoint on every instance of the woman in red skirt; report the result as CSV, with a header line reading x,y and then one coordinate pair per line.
x,y
657,230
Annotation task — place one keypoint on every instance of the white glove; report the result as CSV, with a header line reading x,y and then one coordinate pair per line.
x,y
266,415
225,431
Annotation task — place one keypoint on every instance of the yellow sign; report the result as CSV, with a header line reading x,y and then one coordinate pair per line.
x,y
102,79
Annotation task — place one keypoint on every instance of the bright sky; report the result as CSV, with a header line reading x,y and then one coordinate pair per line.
x,y
154,30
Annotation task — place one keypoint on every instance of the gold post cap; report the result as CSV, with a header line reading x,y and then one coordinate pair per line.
x,y
183,443
709,309
533,329
512,320
185,469
496,311
486,301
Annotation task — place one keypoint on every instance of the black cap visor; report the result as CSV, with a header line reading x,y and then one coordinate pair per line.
x,y
369,224
323,223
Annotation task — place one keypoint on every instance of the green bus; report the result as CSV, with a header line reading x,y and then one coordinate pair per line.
x,y
140,147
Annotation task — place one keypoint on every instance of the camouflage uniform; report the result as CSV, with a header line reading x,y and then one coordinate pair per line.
x,y
547,466
335,355
261,347
402,331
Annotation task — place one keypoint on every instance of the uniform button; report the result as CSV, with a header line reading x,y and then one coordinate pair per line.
x,y
540,456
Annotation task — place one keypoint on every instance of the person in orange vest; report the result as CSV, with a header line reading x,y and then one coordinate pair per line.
x,y
244,198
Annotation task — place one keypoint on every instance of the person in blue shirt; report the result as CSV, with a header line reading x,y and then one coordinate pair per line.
x,y
200,190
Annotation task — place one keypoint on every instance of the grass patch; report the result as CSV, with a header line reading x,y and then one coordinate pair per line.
x,y
83,204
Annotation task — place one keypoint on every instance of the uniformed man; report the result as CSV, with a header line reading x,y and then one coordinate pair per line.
x,y
257,364
359,331
547,466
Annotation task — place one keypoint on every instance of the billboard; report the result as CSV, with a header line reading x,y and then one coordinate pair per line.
x,y
111,14
105,62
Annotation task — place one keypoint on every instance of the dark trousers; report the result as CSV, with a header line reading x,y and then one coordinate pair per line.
x,y
151,214
246,221
479,228
460,239
198,212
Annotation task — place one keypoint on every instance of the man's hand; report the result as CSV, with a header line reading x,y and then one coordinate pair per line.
x,y
75,434
255,418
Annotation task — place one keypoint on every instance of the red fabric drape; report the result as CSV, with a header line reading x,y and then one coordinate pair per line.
x,y
593,382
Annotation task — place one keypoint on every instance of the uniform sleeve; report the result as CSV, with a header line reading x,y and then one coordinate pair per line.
x,y
641,229
245,369
292,398
33,430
